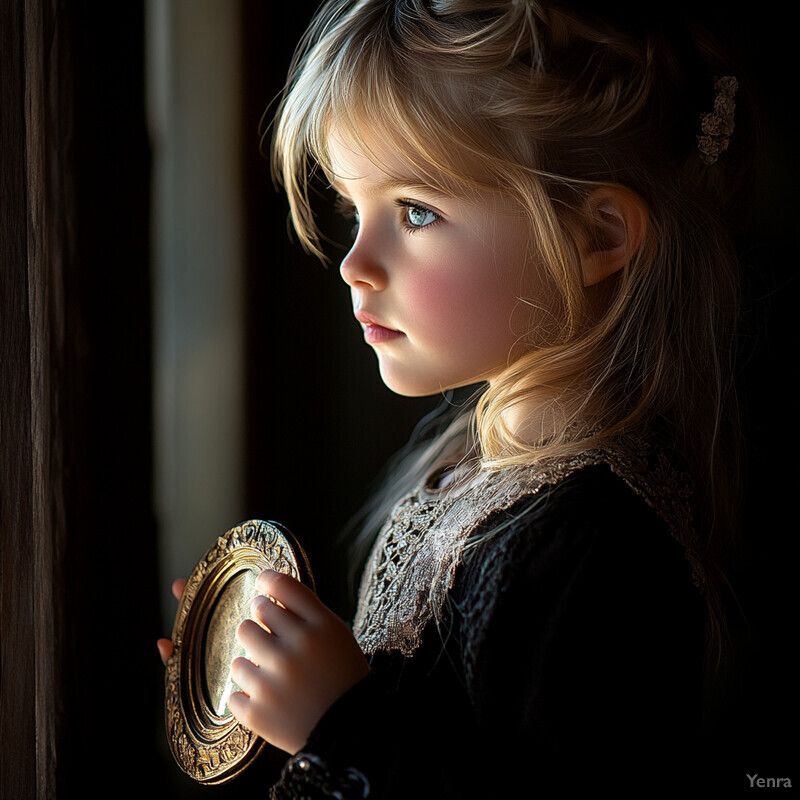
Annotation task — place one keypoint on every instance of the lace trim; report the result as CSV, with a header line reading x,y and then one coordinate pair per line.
x,y
413,563
307,776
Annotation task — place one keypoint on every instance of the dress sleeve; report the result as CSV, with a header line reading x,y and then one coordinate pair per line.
x,y
350,754
574,653
584,639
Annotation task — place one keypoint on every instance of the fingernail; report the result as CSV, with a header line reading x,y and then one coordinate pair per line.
x,y
267,572
258,602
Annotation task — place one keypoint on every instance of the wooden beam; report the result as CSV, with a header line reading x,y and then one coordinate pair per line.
x,y
32,252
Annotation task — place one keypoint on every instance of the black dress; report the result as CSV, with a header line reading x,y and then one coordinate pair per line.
x,y
566,658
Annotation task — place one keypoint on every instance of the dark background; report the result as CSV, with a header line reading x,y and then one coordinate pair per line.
x,y
320,423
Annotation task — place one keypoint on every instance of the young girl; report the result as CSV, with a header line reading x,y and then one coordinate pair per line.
x,y
540,198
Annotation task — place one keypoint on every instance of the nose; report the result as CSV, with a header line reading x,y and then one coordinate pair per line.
x,y
362,268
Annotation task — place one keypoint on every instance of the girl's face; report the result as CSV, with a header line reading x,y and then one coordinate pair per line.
x,y
444,288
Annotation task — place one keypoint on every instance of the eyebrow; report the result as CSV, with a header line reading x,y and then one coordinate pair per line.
x,y
392,185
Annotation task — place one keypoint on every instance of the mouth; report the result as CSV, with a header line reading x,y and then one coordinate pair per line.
x,y
374,331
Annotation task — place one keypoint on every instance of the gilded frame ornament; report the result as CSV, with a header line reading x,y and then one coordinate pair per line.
x,y
206,740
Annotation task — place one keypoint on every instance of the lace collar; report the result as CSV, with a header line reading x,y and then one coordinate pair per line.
x,y
413,563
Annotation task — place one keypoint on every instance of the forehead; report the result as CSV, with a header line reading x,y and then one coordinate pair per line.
x,y
373,167
379,161
371,158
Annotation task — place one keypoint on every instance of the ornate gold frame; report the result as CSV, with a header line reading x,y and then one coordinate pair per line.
x,y
207,741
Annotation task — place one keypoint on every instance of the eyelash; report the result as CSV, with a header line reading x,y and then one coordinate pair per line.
x,y
344,207
348,210
408,205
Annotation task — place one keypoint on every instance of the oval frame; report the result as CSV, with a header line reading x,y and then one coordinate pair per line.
x,y
209,746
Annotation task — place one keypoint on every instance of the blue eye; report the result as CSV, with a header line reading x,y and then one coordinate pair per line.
x,y
416,216
420,217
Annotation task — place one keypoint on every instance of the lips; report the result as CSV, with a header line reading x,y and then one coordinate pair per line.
x,y
374,331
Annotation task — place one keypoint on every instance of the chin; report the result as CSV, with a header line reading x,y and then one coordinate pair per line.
x,y
408,386
419,386
406,390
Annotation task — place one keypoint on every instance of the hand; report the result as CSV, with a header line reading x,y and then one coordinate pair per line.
x,y
303,659
165,645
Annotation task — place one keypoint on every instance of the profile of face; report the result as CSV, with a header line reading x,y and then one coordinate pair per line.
x,y
444,288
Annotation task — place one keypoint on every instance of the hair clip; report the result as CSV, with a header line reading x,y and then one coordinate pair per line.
x,y
717,126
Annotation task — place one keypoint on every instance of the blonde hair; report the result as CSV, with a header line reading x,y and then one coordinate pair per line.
x,y
550,106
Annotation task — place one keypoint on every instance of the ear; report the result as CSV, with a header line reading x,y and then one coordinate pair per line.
x,y
618,220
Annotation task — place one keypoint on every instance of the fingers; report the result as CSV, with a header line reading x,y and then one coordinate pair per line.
x,y
240,706
253,716
258,644
248,678
178,585
295,596
274,628
255,696
274,616
165,649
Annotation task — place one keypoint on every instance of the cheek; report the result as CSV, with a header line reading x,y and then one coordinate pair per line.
x,y
471,302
